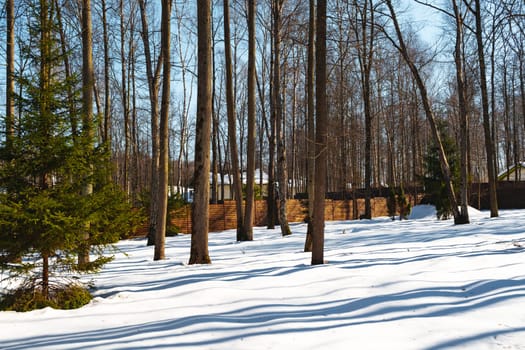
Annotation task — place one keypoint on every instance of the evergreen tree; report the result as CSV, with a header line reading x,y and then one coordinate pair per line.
x,y
43,212
435,187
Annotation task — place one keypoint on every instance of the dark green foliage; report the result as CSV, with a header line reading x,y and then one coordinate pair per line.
x,y
175,203
403,204
30,297
391,203
44,210
435,188
398,201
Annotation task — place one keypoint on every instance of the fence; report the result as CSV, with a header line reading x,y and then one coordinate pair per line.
x,y
223,216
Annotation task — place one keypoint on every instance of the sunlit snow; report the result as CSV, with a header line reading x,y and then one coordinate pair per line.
x,y
414,284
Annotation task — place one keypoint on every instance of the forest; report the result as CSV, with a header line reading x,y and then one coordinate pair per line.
x,y
116,109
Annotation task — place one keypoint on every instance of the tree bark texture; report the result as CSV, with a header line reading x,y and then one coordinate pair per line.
x,y
199,218
489,143
232,124
310,91
278,112
162,196
320,137
463,117
247,234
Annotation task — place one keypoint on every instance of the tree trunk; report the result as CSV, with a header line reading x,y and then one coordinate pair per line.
x,y
162,196
250,158
67,72
463,120
232,128
153,75
10,71
45,276
320,137
87,115
277,111
106,137
199,217
124,96
489,143
310,125
365,42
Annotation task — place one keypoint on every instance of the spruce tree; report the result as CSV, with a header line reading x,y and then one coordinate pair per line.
x,y
43,213
435,187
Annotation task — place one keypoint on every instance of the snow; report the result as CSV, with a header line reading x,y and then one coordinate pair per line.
x,y
414,284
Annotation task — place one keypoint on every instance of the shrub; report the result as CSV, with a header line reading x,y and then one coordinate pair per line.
x,y
30,297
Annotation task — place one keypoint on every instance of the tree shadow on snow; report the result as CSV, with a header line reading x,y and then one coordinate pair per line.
x,y
217,329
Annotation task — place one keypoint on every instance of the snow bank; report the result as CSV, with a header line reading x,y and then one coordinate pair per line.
x,y
427,212
423,211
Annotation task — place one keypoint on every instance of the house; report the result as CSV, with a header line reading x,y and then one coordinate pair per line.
x,y
514,173
225,183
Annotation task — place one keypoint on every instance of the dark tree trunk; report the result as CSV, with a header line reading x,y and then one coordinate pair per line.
x,y
232,128
162,196
87,115
489,142
277,112
153,76
247,233
310,124
320,137
10,70
199,218
463,120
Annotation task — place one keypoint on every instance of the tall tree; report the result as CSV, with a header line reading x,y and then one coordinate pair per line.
x,y
200,214
463,117
88,132
106,134
247,234
162,194
278,116
124,95
232,125
445,168
310,79
489,141
10,70
45,206
321,136
153,71
365,35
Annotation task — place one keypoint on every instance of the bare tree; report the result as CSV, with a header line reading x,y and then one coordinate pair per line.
x,y
445,168
153,77
277,115
162,195
489,142
462,101
199,217
106,135
88,133
10,70
232,125
310,78
365,35
320,137
250,171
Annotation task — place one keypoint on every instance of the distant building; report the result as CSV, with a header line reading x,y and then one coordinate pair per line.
x,y
226,181
514,173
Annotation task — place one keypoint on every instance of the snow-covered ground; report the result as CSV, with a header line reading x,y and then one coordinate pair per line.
x,y
416,284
